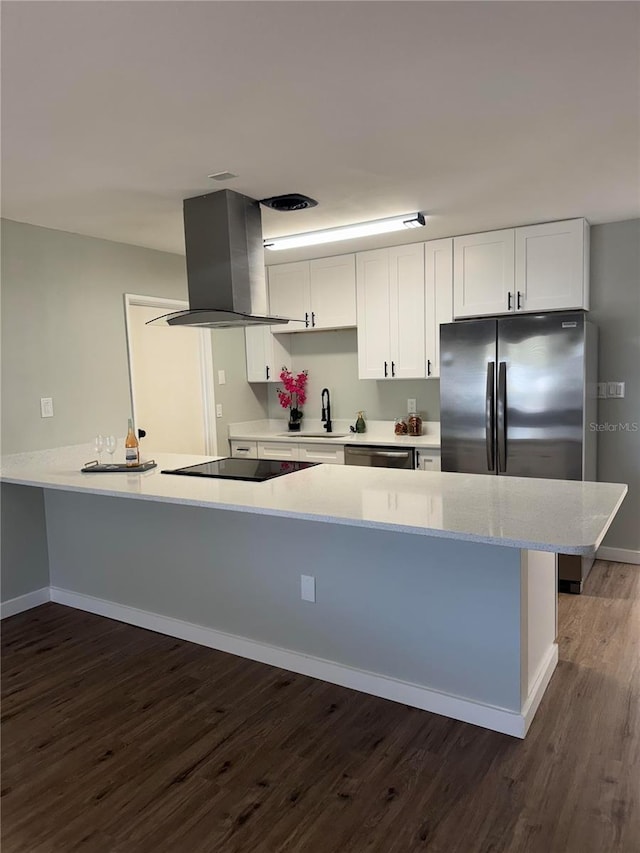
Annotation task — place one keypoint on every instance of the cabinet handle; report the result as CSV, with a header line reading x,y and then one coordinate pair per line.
x,y
267,371
509,301
313,318
518,304
393,368
428,367
385,370
306,319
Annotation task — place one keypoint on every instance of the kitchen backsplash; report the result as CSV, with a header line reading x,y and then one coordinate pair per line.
x,y
332,361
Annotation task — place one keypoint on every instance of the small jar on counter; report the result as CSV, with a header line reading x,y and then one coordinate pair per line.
x,y
401,427
414,424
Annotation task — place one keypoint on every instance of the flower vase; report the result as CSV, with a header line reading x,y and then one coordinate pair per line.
x,y
295,417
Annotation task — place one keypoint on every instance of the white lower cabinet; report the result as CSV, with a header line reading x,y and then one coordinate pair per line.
x,y
246,449
428,460
278,450
330,454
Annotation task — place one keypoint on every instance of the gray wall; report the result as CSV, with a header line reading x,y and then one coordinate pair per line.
x,y
63,336
229,571
24,558
240,401
615,308
332,361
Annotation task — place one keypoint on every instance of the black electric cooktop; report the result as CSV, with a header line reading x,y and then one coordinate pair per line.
x,y
254,470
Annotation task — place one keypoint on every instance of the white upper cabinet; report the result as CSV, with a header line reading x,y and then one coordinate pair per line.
x,y
406,311
374,347
390,296
438,262
484,273
321,292
266,354
332,286
530,269
289,294
552,266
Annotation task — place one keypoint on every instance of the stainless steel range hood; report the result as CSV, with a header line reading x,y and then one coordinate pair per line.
x,y
225,264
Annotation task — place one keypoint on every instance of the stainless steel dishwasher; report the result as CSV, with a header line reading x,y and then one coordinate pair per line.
x,y
379,457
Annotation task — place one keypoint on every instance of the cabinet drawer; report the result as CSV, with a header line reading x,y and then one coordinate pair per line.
x,y
277,450
248,449
328,453
428,460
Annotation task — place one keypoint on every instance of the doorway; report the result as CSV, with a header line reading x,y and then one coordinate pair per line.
x,y
170,379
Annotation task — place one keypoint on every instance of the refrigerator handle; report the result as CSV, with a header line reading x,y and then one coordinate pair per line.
x,y
502,411
489,405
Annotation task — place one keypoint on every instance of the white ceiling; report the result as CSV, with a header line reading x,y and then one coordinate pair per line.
x,y
480,114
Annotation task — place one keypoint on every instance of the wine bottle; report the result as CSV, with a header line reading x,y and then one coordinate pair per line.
x,y
131,448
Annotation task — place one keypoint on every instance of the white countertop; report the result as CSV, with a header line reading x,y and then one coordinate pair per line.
x,y
545,515
379,433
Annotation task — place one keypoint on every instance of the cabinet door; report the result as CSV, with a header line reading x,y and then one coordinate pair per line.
x,y
406,312
372,288
483,274
255,347
289,295
244,449
333,292
438,259
277,450
266,354
428,460
552,266
329,454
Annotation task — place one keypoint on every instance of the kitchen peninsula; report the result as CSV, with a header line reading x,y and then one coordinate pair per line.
x,y
437,590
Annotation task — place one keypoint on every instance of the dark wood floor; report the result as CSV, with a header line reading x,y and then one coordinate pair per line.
x,y
118,740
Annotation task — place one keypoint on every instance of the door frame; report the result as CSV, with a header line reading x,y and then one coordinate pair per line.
x,y
206,362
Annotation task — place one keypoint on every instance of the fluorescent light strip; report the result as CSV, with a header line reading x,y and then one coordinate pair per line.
x,y
347,232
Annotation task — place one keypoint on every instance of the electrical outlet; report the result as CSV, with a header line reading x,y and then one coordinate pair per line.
x,y
602,390
218,410
46,407
222,379
411,404
307,588
615,389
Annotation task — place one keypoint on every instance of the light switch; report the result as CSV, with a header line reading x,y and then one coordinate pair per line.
x,y
615,389
602,390
307,588
46,407
218,410
222,379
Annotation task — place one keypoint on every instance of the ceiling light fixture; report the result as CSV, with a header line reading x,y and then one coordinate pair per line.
x,y
222,176
347,232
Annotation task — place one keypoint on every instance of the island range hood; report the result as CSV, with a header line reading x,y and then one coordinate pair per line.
x,y
225,264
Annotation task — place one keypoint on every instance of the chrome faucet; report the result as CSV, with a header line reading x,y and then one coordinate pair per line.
x,y
326,409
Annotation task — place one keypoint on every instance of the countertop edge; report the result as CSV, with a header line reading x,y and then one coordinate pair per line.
x,y
586,549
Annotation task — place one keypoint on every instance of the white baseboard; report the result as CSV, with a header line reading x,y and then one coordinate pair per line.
x,y
487,716
24,602
540,685
619,555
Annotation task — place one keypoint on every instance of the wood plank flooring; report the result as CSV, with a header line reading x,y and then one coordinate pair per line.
x,y
118,740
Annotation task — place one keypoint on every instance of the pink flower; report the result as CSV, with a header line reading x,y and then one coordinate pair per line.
x,y
294,394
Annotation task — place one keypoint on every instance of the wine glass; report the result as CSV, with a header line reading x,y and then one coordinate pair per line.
x,y
110,443
99,447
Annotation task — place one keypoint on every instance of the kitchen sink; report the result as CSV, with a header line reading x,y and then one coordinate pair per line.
x,y
313,434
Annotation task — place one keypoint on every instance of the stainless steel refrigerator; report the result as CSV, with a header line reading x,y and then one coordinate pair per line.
x,y
517,395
